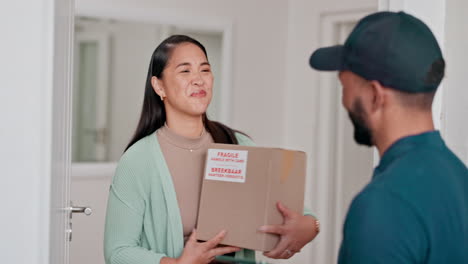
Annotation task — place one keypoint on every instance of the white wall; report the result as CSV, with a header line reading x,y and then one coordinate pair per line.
x,y
25,110
456,89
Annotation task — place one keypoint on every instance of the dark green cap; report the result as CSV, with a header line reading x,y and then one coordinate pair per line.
x,y
396,49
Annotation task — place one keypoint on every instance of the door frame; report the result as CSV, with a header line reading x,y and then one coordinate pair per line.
x,y
60,133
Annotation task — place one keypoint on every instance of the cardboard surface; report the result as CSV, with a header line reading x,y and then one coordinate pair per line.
x,y
240,189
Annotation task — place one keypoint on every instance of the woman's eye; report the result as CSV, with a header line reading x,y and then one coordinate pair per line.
x,y
185,71
206,70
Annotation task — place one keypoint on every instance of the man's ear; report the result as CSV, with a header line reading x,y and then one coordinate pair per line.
x,y
378,96
158,87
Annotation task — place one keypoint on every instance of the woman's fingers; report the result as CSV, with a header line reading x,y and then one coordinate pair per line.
x,y
193,236
215,240
223,250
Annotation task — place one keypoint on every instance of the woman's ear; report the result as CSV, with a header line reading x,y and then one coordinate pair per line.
x,y
158,87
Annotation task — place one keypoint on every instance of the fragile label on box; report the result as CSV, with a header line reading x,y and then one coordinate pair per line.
x,y
226,165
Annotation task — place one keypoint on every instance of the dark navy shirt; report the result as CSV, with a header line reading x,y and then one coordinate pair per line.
x,y
414,210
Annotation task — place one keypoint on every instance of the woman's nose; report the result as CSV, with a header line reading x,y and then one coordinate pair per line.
x,y
197,79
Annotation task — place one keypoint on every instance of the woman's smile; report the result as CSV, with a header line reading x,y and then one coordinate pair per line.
x,y
198,94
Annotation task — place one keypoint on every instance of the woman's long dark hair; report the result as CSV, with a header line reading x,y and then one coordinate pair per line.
x,y
153,113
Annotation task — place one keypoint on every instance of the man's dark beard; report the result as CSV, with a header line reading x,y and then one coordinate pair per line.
x,y
362,133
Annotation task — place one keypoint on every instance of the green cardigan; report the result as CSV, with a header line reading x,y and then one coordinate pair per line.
x,y
143,222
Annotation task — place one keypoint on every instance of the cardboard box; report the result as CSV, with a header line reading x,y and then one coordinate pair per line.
x,y
241,187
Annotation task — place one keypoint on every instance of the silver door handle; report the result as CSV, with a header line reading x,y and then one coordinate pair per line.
x,y
75,209
85,210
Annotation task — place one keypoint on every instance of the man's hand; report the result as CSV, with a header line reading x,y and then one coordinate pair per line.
x,y
296,231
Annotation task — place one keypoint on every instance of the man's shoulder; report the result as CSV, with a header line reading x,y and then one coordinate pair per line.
x,y
422,170
428,159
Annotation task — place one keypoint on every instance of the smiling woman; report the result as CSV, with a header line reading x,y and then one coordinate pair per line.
x,y
158,180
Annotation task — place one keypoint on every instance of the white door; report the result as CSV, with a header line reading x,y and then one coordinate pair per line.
x,y
61,208
59,219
